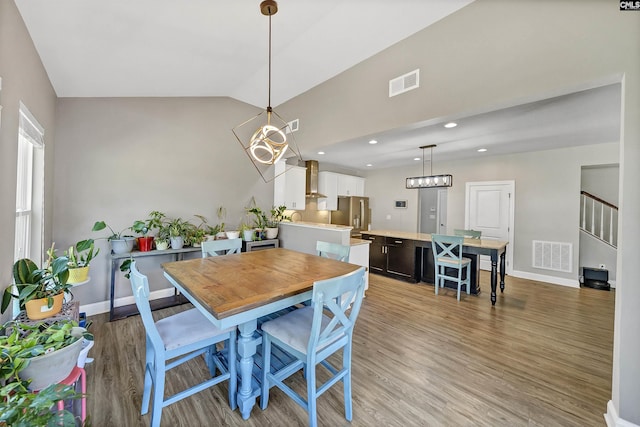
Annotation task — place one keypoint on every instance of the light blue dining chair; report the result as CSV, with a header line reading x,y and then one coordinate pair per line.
x,y
311,334
182,337
221,247
333,250
447,255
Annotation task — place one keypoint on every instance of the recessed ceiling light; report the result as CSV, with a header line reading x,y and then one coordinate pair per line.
x,y
416,158
373,141
320,152
369,165
450,125
481,150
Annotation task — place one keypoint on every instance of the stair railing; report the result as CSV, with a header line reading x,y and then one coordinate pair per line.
x,y
599,218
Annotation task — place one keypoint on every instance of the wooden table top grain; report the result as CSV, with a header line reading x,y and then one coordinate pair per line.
x,y
231,284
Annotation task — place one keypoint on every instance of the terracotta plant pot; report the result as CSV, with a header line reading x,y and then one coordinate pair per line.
x,y
145,244
37,308
78,275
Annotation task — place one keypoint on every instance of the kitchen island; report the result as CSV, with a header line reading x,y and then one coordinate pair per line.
x,y
408,255
302,236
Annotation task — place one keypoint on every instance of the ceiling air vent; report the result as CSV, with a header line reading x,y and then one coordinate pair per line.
x,y
404,83
293,125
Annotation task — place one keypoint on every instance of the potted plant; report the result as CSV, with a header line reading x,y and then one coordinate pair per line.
x,y
38,357
221,213
120,243
260,221
80,255
155,220
162,238
177,231
248,232
277,216
40,290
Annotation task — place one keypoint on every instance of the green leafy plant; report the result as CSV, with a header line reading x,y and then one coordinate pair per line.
x,y
277,216
81,254
155,221
260,219
18,405
101,225
34,283
178,227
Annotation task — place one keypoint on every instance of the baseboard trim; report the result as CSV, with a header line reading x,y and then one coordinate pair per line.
x,y
572,283
613,420
103,306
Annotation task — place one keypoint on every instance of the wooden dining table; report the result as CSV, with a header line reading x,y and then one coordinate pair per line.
x,y
238,289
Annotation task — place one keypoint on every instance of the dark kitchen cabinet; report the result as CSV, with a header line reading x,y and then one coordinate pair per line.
x,y
393,257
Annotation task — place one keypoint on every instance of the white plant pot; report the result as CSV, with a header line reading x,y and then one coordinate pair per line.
x,y
162,246
177,242
122,246
221,235
233,234
51,368
272,232
247,235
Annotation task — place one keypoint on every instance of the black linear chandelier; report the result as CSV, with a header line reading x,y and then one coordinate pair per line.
x,y
431,180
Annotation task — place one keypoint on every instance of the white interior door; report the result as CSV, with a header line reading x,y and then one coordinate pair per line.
x,y
489,208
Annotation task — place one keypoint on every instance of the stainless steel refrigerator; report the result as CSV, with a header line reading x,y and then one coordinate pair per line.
x,y
353,211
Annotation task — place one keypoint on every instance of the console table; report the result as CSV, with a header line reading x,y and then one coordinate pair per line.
x,y
123,311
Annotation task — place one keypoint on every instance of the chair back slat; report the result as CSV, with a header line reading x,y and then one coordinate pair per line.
x,y
333,250
140,288
221,247
447,246
334,297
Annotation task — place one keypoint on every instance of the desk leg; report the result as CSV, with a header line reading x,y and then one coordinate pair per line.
x,y
247,346
114,264
494,278
502,272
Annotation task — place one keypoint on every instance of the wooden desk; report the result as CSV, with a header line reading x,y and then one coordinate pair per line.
x,y
495,249
235,290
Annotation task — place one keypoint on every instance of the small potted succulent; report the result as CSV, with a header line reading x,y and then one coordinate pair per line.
x,y
248,232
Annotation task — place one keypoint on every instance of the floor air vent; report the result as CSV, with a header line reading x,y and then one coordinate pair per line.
x,y
552,255
404,83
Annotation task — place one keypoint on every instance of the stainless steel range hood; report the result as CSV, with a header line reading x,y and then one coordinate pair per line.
x,y
312,180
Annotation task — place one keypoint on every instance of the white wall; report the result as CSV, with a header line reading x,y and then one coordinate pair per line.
x,y
23,79
119,159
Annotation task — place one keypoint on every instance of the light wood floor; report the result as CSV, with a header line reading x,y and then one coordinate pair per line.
x,y
541,357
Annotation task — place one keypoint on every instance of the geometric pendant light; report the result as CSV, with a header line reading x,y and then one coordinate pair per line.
x,y
429,181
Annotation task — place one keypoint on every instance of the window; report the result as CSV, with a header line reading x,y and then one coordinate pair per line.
x,y
29,188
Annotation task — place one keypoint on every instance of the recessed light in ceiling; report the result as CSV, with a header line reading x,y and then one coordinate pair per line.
x,y
373,141
481,150
417,158
450,125
369,165
321,152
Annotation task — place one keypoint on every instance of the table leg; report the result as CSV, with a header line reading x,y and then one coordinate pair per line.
x,y
494,278
502,267
247,346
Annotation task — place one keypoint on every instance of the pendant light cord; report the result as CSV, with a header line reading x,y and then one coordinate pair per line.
x,y
269,101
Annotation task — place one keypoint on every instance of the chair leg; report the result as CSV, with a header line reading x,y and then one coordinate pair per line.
x,y
346,364
148,381
158,395
311,393
266,369
437,280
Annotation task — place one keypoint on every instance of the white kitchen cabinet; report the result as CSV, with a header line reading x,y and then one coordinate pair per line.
x,y
289,187
328,185
349,185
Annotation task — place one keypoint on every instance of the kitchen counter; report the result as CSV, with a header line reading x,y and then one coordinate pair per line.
x,y
317,225
426,237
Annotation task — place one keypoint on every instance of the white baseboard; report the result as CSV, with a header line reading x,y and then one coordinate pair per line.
x,y
573,283
613,420
103,306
